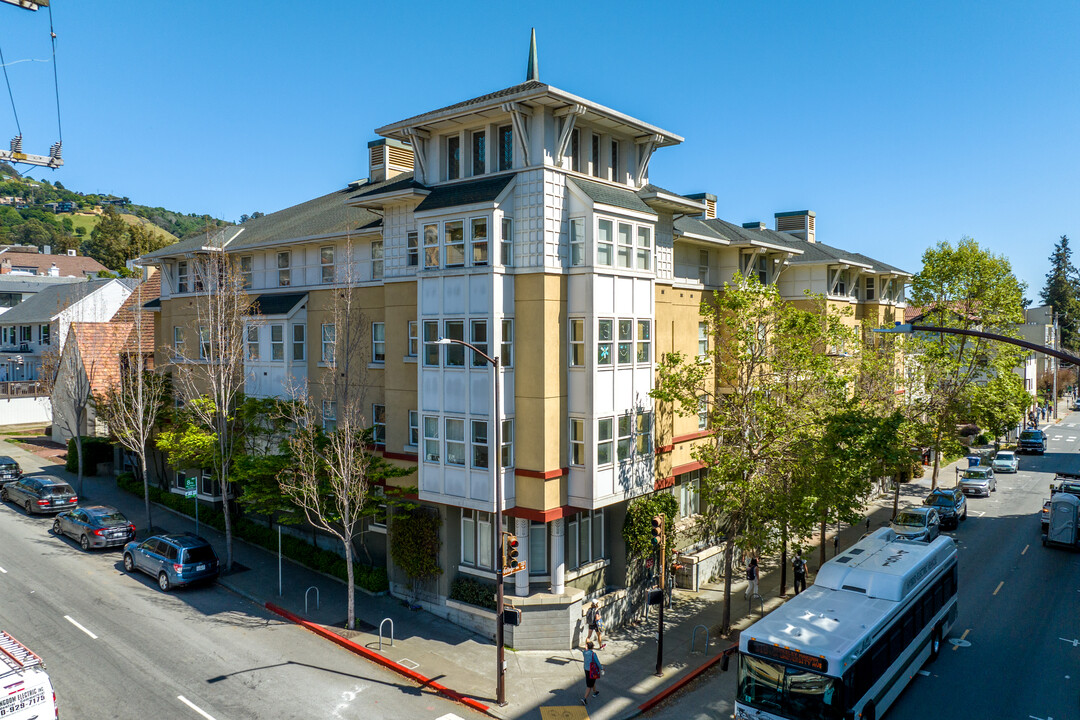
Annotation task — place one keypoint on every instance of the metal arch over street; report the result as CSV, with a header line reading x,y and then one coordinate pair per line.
x,y
908,328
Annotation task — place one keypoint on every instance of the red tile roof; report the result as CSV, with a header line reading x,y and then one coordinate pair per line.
x,y
148,290
68,265
100,345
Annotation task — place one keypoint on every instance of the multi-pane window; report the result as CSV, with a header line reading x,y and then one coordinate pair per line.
x,y
204,342
506,147
507,443
596,156
378,342
412,249
414,428
506,351
329,340
378,425
644,341
414,339
43,334
644,248
479,238
468,537
603,441
477,539
577,342
376,259
478,331
577,242
537,548
603,342
615,161
326,264
479,148
506,244
431,246
626,341
431,348
299,342
577,441
626,244
455,441
198,270
625,445
26,333
870,288
455,353
253,342
703,266
284,273
329,415
584,538
247,274
454,233
604,242
702,340
182,276
431,438
644,433
575,150
277,342
479,444
177,340
690,494
702,412
453,157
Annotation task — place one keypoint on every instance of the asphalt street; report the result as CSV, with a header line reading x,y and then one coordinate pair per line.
x,y
117,647
1014,653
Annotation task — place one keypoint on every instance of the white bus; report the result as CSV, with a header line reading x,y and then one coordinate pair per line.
x,y
848,645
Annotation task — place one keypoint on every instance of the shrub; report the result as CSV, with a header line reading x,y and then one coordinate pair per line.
x,y
369,577
95,450
982,440
474,592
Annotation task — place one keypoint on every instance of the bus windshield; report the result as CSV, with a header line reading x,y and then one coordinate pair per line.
x,y
789,692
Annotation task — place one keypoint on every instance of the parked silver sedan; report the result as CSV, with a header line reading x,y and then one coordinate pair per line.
x,y
95,526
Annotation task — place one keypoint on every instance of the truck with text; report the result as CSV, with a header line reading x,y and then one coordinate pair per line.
x,y
27,690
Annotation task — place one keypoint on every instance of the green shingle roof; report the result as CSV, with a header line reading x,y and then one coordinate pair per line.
x,y
465,193
697,226
276,304
616,197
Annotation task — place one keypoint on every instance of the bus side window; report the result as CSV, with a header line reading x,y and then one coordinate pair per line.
x,y
909,626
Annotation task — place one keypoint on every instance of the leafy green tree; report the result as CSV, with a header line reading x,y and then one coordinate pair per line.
x,y
1062,291
969,288
109,240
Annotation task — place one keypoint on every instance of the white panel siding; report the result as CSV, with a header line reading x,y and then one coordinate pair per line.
x,y
480,395
604,295
577,391
430,397
430,295
454,481
453,295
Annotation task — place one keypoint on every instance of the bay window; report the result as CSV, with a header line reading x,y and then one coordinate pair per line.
x,y
455,441
604,242
577,242
454,235
479,238
626,244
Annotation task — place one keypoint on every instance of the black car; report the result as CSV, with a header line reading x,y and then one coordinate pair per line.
x,y
9,470
40,494
174,559
950,503
96,526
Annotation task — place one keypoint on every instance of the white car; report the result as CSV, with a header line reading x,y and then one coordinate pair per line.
x,y
1006,461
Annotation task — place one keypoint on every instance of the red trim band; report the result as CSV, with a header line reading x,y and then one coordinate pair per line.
x,y
542,515
542,474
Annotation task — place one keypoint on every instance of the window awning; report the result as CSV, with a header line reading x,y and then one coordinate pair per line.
x,y
276,304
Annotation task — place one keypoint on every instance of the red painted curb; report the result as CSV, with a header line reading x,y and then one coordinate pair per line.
x,y
378,659
663,694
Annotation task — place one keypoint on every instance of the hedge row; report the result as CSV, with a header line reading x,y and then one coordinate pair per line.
x,y
95,450
473,592
369,577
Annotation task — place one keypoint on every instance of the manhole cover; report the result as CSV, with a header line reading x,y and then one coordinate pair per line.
x,y
959,643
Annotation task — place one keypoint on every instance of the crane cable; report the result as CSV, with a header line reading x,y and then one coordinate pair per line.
x,y
56,81
10,95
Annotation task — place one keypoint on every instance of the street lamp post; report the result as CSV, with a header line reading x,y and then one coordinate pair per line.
x,y
500,673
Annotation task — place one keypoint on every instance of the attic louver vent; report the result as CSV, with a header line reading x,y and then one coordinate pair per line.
x,y
402,157
854,589
791,222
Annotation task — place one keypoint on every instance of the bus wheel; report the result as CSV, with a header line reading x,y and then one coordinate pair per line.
x,y
935,644
869,712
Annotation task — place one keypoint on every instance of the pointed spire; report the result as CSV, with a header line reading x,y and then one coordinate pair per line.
x,y
533,73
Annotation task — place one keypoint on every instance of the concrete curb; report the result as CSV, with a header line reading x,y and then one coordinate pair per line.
x,y
680,683
380,660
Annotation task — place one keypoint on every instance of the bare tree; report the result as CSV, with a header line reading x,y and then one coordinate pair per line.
x,y
71,389
131,408
215,378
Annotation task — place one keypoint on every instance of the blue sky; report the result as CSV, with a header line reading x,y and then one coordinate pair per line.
x,y
900,124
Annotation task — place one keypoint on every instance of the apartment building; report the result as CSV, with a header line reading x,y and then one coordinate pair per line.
x,y
524,222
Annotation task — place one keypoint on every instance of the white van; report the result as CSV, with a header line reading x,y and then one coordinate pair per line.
x,y
27,693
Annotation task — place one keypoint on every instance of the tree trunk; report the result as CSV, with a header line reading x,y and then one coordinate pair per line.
x,y
350,590
228,521
783,559
725,622
146,490
896,496
937,459
79,454
821,548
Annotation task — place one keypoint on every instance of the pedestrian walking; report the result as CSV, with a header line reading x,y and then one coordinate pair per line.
x,y
593,670
752,578
595,621
798,565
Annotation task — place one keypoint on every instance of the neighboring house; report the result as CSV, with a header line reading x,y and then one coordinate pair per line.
x,y
142,318
91,362
525,222
40,323
16,288
27,260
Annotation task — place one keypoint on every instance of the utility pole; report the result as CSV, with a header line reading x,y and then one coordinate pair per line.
x,y
1055,365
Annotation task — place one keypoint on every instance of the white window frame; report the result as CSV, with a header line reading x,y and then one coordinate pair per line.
x,y
468,537
871,287
432,251
703,267
703,412
432,352
506,242
479,245
454,250
432,441
378,425
284,272
625,331
247,271
605,340
605,441
328,338
576,338
690,494
414,338
327,265
454,354
643,355
624,430
454,431
480,442
577,442
252,341
643,237
329,415
624,237
412,249
182,276
204,342
478,336
643,434
277,347
577,242
506,344
378,343
605,242
299,342
506,441
376,259
414,429
178,339
702,341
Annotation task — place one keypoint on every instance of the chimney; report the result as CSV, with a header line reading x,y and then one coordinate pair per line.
x,y
710,204
54,271
799,223
388,158
5,266
71,253
757,225
46,249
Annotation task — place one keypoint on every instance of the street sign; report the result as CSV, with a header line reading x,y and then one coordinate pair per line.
x,y
519,568
189,487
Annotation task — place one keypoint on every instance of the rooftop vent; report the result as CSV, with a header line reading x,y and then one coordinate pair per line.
x,y
799,223
388,158
754,225
710,203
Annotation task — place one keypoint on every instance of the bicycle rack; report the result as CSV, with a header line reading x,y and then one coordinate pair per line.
x,y
693,639
760,600
317,602
386,620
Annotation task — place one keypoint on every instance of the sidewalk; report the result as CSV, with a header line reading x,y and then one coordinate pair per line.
x,y
465,662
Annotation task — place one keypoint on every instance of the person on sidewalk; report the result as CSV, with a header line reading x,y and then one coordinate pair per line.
x,y
595,621
752,578
798,565
593,670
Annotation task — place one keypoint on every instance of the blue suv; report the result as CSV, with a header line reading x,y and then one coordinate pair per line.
x,y
175,560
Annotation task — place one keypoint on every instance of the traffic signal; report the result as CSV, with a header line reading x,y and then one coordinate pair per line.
x,y
510,551
657,530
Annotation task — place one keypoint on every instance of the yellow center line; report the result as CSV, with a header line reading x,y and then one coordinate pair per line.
x,y
1025,549
998,587
954,647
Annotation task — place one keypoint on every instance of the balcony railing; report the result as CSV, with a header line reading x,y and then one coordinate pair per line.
x,y
21,388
